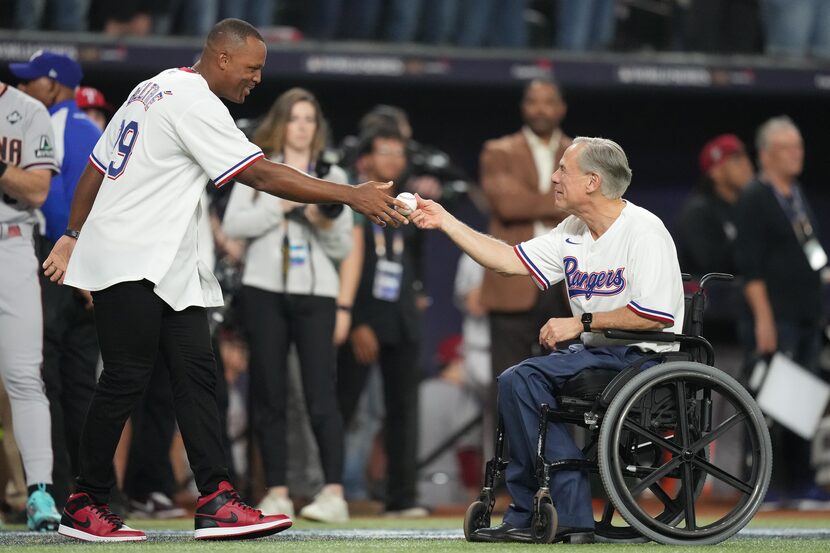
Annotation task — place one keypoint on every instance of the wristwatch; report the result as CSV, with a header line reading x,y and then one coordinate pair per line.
x,y
587,319
72,233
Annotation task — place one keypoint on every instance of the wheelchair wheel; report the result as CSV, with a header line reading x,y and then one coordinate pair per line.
x,y
667,410
544,523
610,527
477,516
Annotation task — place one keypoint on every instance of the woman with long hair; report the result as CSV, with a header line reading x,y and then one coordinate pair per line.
x,y
290,285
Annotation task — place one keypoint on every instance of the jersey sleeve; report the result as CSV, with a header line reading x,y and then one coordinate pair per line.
x,y
208,132
39,141
102,152
543,258
653,271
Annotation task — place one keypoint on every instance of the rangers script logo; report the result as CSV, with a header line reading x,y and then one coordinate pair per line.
x,y
601,283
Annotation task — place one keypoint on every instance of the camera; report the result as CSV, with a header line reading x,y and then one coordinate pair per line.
x,y
330,211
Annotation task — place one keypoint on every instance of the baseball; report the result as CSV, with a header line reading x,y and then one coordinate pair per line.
x,y
409,200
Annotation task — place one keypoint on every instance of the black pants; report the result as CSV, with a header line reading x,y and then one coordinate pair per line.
x,y
801,341
148,466
273,321
70,359
134,325
398,364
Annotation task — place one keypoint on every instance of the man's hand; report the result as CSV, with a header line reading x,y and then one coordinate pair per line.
x,y
766,340
365,345
371,199
559,330
55,265
429,215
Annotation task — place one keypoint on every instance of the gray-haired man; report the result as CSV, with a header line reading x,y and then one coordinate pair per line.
x,y
620,266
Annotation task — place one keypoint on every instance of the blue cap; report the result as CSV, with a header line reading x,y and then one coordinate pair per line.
x,y
59,67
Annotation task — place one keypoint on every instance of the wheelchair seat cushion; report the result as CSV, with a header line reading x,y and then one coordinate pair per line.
x,y
588,384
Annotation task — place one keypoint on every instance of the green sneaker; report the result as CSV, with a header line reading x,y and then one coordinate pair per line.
x,y
41,512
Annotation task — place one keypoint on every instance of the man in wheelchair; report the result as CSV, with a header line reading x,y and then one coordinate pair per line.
x,y
621,271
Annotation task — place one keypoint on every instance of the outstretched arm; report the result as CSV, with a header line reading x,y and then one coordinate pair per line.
x,y
278,179
486,250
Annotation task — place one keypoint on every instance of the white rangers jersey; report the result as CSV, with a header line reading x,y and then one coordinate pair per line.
x,y
27,142
164,144
633,264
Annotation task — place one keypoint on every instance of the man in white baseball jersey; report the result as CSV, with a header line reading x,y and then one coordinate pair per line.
x,y
27,162
621,270
134,218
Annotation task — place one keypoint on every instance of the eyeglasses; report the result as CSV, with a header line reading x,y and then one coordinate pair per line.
x,y
391,152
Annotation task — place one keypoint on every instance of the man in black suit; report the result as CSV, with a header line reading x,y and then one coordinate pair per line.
x,y
385,325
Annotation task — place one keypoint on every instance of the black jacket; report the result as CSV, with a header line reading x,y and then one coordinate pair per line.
x,y
767,249
393,322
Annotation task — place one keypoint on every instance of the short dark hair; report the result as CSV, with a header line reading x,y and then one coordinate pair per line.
x,y
383,114
548,81
232,30
368,136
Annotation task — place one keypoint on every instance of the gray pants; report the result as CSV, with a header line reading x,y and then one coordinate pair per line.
x,y
21,353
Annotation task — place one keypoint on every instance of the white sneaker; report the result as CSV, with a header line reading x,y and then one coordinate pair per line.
x,y
276,505
326,507
411,512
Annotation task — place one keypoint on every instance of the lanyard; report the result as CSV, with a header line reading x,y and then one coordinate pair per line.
x,y
796,212
380,243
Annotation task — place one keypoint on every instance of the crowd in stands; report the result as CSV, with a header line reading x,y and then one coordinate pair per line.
x,y
780,28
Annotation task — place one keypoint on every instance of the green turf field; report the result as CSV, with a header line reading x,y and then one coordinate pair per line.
x,y
302,538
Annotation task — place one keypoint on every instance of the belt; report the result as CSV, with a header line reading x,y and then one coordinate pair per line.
x,y
10,231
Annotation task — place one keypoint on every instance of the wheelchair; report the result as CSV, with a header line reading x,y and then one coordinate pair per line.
x,y
650,437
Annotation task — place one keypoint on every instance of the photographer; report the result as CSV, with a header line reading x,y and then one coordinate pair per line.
x,y
290,283
430,172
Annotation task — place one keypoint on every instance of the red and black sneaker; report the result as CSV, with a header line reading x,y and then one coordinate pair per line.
x,y
222,515
85,520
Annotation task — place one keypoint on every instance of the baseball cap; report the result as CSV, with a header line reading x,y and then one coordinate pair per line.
x,y
59,67
449,349
718,149
88,97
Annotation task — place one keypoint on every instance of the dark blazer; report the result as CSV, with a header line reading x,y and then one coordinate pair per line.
x,y
393,322
511,183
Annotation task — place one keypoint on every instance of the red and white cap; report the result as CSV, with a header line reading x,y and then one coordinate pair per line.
x,y
87,97
717,150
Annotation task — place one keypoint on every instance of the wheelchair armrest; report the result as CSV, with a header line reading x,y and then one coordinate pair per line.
x,y
640,335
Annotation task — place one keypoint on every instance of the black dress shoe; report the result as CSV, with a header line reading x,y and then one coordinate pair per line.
x,y
502,533
566,534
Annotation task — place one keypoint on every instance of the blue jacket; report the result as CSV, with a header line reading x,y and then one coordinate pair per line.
x,y
76,136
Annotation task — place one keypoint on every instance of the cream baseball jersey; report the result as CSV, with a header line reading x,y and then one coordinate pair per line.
x,y
633,264
163,145
26,141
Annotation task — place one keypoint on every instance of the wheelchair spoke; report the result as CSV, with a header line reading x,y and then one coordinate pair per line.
x,y
607,513
724,427
661,494
646,433
689,496
655,476
680,396
722,475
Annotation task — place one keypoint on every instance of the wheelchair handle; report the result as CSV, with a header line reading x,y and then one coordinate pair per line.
x,y
714,276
